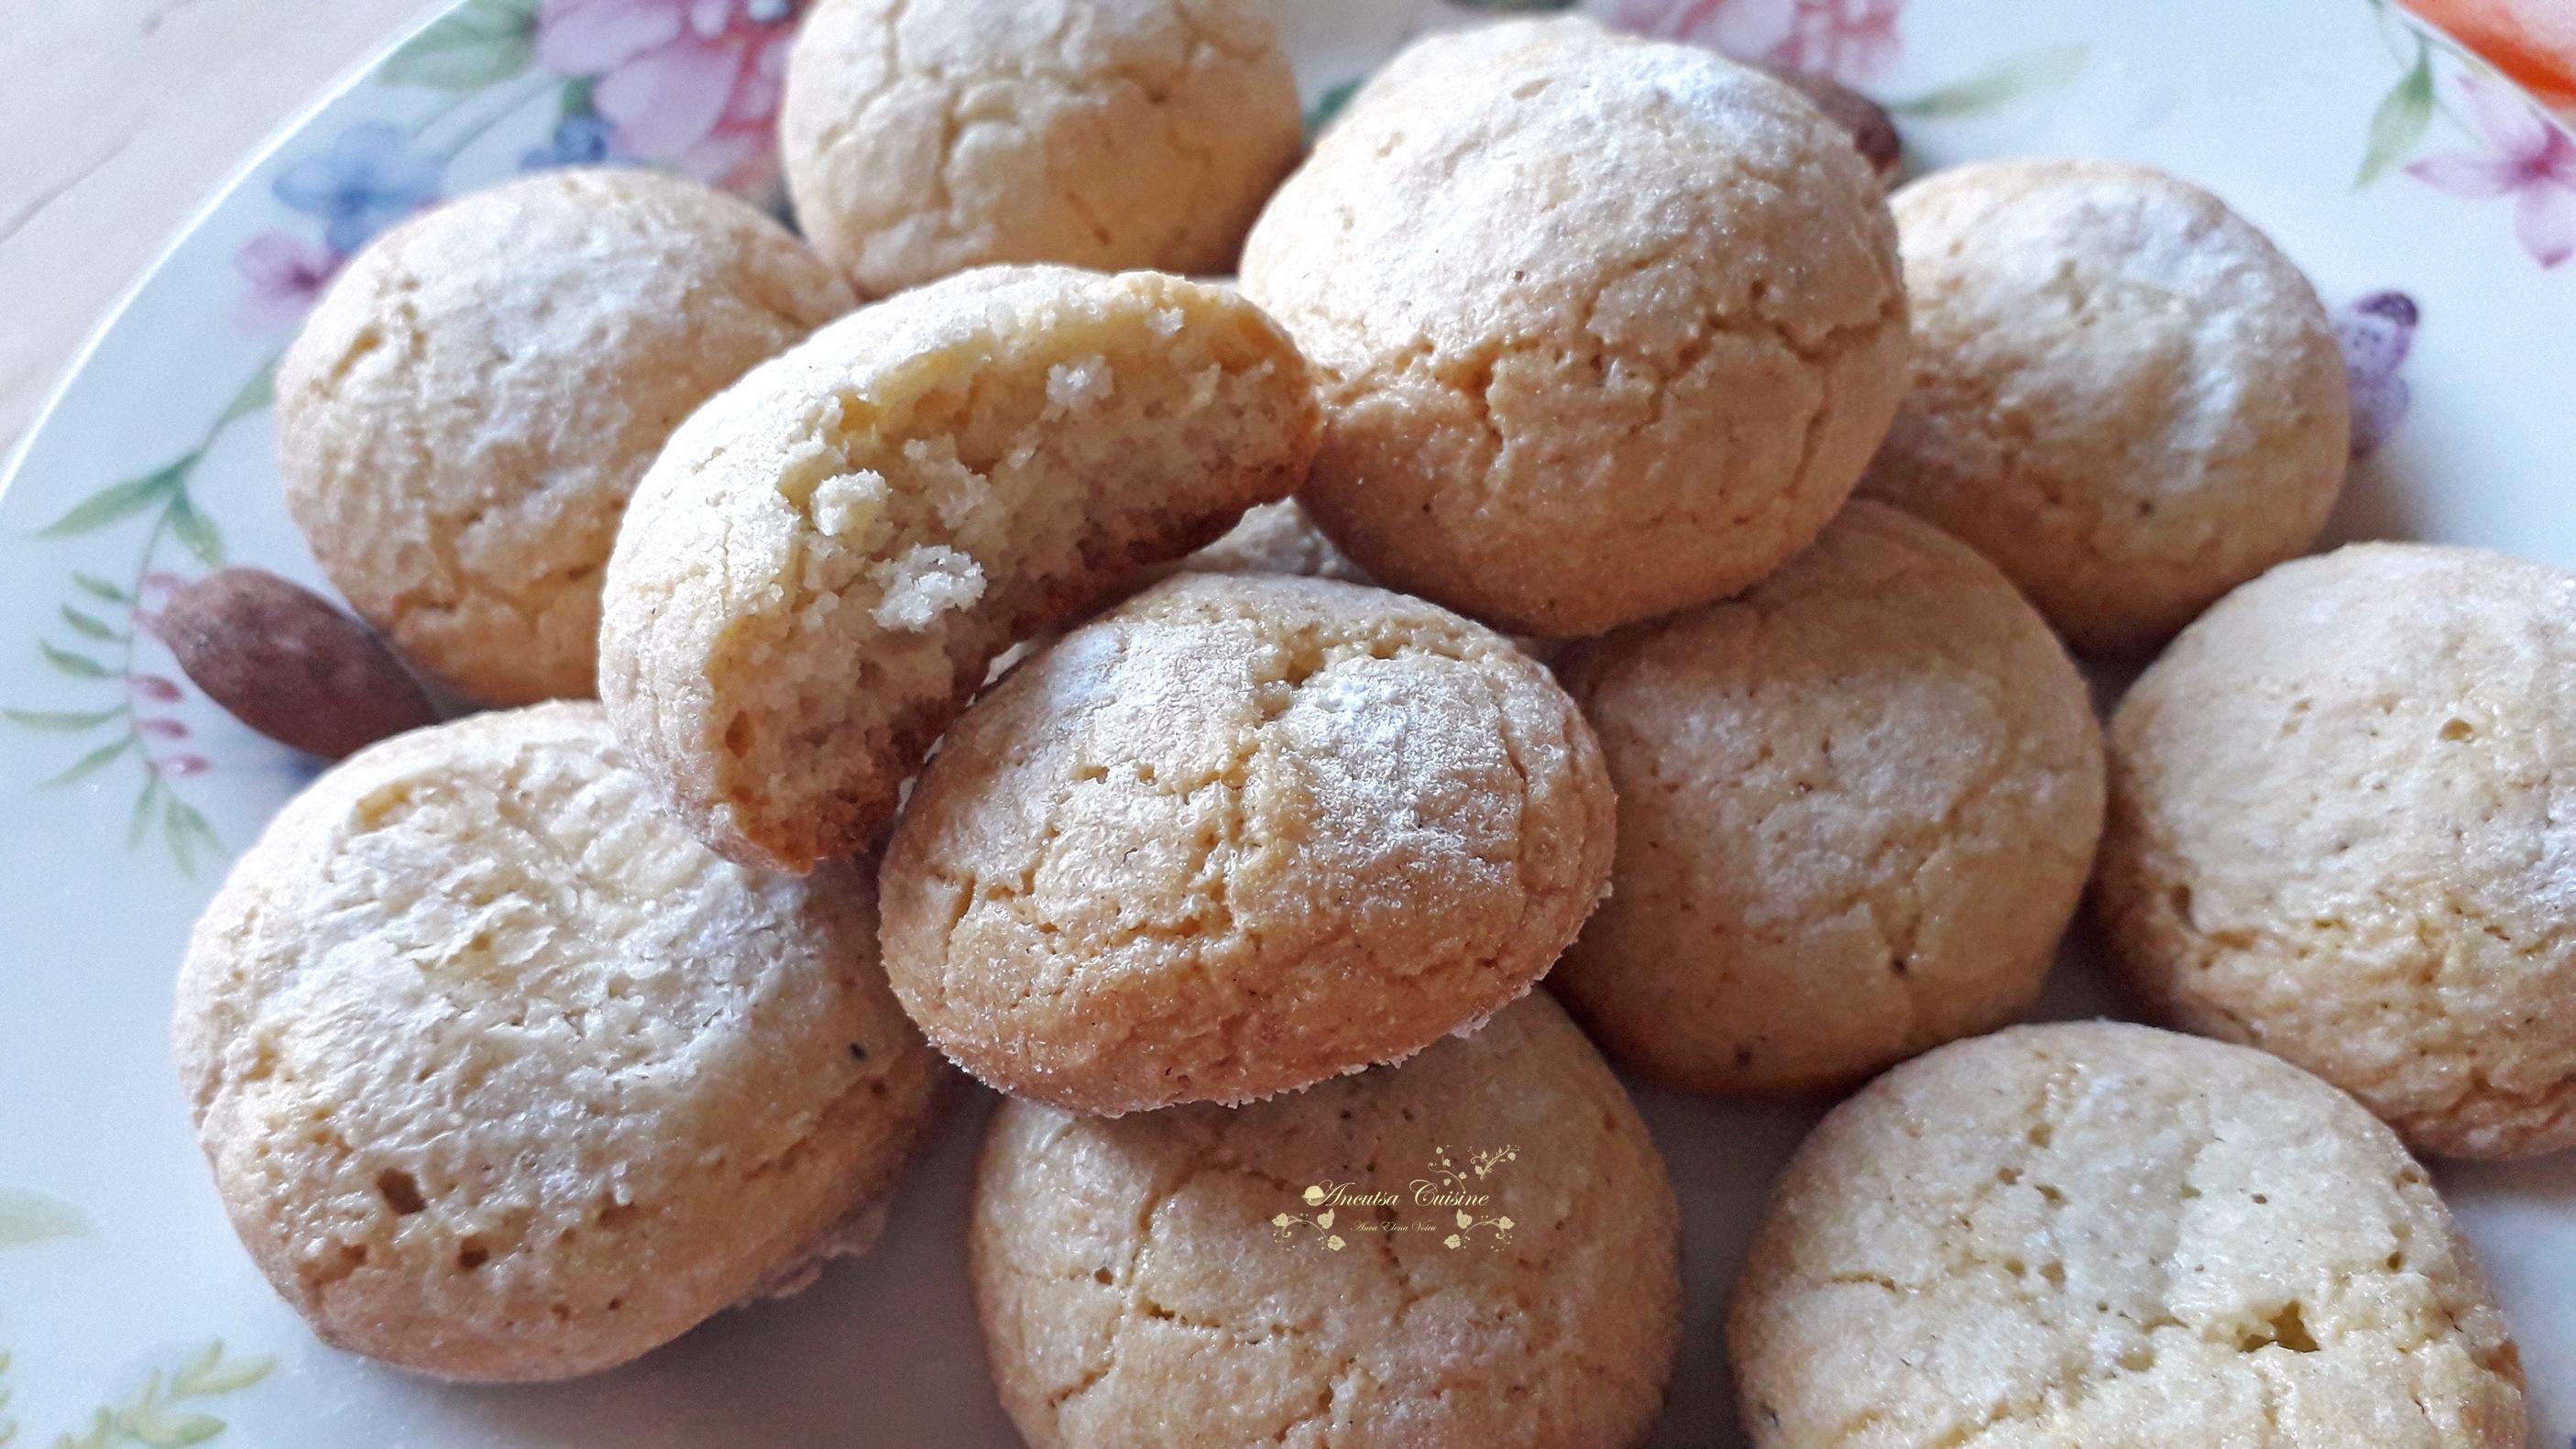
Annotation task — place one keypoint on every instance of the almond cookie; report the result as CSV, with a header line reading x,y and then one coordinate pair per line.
x,y
1856,809
2343,829
821,566
1237,836
1607,326
921,140
503,1077
1275,538
2124,394
1476,1248
2115,1237
462,418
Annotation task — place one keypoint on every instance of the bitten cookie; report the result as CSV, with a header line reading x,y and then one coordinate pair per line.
x,y
1237,836
921,140
462,418
2111,1236
1311,1271
1856,809
2124,394
2343,816
818,570
1607,326
502,1077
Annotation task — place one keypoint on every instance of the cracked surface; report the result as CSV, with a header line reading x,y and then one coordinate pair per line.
x,y
1606,327
2124,394
1134,1294
501,1076
464,415
923,139
1857,805
2120,1238
821,567
1237,836
2343,828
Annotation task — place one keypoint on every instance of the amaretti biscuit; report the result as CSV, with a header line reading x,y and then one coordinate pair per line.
x,y
921,140
502,1076
2124,394
1475,1248
465,413
2343,816
2116,1237
818,570
1239,835
1607,327
1857,806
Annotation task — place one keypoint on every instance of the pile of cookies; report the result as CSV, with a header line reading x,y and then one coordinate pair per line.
x,y
1598,538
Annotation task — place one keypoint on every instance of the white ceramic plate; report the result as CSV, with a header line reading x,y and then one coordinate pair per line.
x,y
2431,201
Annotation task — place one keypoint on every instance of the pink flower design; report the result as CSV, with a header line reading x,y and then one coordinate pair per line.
x,y
686,83
286,274
2528,159
1851,41
180,767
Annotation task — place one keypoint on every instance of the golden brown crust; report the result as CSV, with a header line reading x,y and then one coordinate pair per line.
x,y
1857,806
2343,807
1606,327
2112,1236
1237,836
1138,1290
464,415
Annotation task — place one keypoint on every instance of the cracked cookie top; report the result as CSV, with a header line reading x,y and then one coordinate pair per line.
x,y
1239,835
1857,805
2117,1237
503,1076
1606,326
2124,394
921,139
465,413
2343,828
1297,1273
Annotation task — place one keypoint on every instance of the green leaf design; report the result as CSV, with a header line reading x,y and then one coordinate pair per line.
x,y
188,833
61,721
210,1373
2404,115
78,666
2009,80
470,47
121,500
32,1217
143,815
576,99
255,394
1329,104
90,626
93,762
197,531
98,588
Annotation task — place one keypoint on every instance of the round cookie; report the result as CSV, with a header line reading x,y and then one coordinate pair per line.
x,y
2117,1237
1607,327
1241,834
921,140
462,418
1857,806
2124,394
503,1077
821,566
1189,1279
2343,811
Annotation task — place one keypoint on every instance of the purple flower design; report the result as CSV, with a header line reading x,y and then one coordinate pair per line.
x,y
286,273
2376,333
2527,158
366,182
